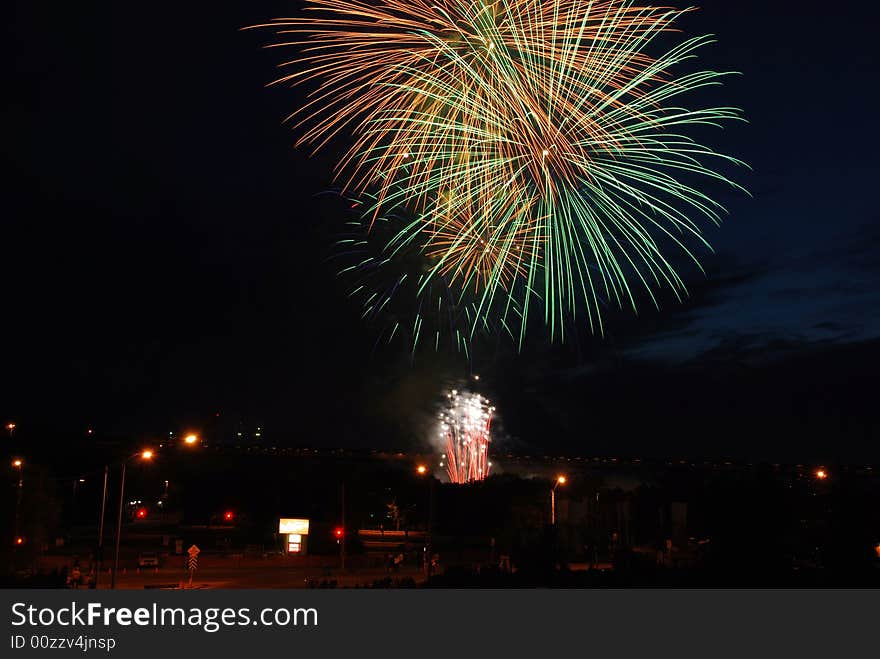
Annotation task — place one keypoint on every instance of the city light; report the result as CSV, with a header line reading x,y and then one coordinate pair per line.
x,y
17,463
141,513
560,480
228,515
191,439
147,454
19,541
422,469
338,532
821,474
10,427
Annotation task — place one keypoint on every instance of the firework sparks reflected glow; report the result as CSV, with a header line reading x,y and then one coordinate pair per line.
x,y
465,434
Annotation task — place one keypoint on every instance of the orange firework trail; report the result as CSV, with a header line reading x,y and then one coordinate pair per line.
x,y
537,148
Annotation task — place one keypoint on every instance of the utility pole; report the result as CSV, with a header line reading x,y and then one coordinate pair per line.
x,y
344,531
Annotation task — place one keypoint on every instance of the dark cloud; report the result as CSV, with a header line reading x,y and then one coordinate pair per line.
x,y
810,294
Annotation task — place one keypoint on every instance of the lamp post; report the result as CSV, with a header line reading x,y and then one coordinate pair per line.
x,y
99,550
422,470
144,455
18,463
560,480
190,440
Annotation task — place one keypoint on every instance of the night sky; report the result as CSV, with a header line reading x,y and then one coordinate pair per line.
x,y
165,255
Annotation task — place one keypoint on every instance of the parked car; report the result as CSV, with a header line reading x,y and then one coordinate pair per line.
x,y
148,559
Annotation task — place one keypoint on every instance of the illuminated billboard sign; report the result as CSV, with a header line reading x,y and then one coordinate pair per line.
x,y
297,526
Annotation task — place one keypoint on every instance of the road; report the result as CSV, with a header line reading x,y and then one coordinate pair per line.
x,y
261,576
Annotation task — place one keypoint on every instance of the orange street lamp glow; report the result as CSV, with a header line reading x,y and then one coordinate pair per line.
x,y
17,463
422,469
821,474
560,480
147,455
19,541
10,427
191,439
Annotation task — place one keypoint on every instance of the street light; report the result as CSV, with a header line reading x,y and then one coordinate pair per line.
x,y
10,427
18,463
190,440
99,550
560,480
146,455
821,474
422,470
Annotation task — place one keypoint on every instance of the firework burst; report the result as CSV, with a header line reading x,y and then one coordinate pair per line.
x,y
464,433
531,151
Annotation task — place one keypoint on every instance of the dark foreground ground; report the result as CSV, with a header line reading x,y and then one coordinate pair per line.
x,y
618,522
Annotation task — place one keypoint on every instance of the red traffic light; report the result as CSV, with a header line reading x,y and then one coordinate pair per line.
x,y
338,532
141,513
229,515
